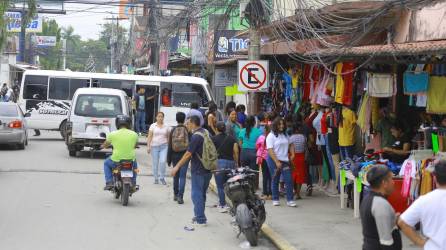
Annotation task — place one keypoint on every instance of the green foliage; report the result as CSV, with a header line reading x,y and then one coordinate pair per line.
x,y
52,56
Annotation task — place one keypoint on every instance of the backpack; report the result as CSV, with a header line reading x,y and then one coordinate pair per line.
x,y
209,156
180,139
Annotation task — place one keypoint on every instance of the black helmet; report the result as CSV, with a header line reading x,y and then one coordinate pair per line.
x,y
123,120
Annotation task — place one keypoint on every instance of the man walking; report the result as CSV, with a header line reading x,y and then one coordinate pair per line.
x,y
430,211
200,175
140,100
378,218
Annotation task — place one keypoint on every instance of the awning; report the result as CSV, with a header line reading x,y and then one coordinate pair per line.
x,y
401,49
231,60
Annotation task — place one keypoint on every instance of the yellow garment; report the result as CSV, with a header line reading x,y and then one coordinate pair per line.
x,y
294,77
436,95
339,83
347,129
362,122
426,180
375,111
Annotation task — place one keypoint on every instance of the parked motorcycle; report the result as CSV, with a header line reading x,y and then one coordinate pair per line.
x,y
247,207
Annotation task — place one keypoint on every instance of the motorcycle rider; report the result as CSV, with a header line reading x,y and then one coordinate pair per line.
x,y
124,142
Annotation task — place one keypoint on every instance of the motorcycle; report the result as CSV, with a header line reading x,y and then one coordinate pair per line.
x,y
123,179
248,209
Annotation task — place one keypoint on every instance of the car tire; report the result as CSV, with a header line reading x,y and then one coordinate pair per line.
x,y
63,129
72,153
21,146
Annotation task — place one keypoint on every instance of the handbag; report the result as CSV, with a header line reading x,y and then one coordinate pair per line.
x,y
415,82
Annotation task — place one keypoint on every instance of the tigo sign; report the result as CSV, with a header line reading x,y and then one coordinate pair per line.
x,y
14,23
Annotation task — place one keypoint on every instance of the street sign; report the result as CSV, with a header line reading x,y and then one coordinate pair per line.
x,y
253,75
45,41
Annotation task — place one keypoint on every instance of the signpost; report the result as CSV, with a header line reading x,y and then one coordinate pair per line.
x,y
253,75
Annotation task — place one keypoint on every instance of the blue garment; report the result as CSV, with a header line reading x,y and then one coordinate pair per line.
x,y
286,173
346,152
249,142
195,112
179,180
142,102
109,165
159,156
140,124
196,149
200,184
241,118
248,158
221,178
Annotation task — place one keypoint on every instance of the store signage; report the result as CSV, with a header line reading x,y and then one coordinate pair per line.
x,y
15,20
253,75
45,41
225,76
226,44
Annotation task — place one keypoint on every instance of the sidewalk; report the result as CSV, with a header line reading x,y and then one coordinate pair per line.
x,y
318,223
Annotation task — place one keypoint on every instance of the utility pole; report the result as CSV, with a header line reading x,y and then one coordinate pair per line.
x,y
64,52
115,64
22,38
154,36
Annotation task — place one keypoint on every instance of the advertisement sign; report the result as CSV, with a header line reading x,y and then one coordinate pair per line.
x,y
15,20
253,75
45,41
198,45
226,44
225,77
125,9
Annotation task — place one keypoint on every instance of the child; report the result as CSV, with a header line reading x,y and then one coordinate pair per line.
x,y
262,153
299,175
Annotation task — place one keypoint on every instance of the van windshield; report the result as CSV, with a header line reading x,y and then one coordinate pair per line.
x,y
98,106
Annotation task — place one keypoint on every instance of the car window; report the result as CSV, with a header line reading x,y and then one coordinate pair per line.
x,y
8,111
59,88
98,106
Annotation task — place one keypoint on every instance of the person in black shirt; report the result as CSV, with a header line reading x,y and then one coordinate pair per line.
x,y
200,176
400,150
378,218
228,154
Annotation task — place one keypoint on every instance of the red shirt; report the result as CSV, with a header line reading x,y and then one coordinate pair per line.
x,y
324,125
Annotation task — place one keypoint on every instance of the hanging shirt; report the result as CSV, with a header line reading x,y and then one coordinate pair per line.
x,y
320,140
347,70
347,128
339,83
436,95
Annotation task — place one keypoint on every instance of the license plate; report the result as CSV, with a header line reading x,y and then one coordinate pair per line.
x,y
126,173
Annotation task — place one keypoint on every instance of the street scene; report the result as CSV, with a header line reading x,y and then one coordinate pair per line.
x,y
209,124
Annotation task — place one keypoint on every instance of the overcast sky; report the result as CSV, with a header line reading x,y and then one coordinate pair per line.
x,y
86,19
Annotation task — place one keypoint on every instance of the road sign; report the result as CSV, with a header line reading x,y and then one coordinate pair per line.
x,y
253,75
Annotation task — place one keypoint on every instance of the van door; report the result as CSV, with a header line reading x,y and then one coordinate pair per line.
x,y
151,97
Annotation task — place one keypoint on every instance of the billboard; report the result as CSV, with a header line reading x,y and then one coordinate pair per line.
x,y
226,44
45,41
125,9
14,23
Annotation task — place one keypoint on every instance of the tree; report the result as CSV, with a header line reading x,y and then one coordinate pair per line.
x,y
51,58
72,43
4,5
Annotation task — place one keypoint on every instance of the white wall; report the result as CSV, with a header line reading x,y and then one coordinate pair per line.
x,y
5,61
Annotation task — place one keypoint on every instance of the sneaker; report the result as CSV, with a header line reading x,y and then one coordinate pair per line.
x,y
180,200
108,186
223,209
156,181
291,204
195,223
163,181
276,203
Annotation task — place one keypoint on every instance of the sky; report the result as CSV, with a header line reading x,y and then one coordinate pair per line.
x,y
86,18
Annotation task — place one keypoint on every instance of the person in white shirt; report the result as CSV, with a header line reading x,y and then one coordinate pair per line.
x,y
430,211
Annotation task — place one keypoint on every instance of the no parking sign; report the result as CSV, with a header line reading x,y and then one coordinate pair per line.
x,y
253,75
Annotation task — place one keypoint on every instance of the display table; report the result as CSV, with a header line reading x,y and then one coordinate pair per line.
x,y
356,195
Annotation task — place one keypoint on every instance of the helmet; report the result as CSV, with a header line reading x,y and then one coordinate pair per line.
x,y
123,120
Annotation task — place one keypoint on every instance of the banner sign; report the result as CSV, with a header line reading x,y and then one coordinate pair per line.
x,y
45,41
226,44
125,9
225,76
15,20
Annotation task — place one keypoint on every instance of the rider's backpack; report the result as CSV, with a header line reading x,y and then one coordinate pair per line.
x,y
180,139
209,156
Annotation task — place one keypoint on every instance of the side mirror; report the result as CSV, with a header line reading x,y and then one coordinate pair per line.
x,y
27,114
103,135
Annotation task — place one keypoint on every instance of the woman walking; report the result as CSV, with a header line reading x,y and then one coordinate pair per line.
x,y
227,150
157,141
247,140
278,145
262,154
299,175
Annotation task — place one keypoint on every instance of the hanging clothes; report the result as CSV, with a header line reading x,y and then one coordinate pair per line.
x,y
306,82
436,95
339,92
347,75
347,128
380,85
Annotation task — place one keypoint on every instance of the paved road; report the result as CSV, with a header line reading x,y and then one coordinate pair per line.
x,y
51,201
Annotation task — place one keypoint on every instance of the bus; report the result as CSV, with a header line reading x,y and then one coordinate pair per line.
x,y
46,95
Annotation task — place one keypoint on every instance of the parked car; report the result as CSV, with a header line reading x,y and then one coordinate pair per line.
x,y
12,125
93,112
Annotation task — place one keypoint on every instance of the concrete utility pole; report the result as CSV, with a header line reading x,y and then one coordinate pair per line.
x,y
115,64
154,36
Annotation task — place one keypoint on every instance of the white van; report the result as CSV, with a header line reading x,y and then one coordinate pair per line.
x,y
93,111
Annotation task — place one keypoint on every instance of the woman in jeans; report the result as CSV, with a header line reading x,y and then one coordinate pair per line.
x,y
278,145
247,140
157,141
227,150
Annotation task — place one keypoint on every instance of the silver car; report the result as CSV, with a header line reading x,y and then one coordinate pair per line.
x,y
12,125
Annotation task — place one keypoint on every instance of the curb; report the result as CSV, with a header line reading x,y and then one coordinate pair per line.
x,y
272,235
